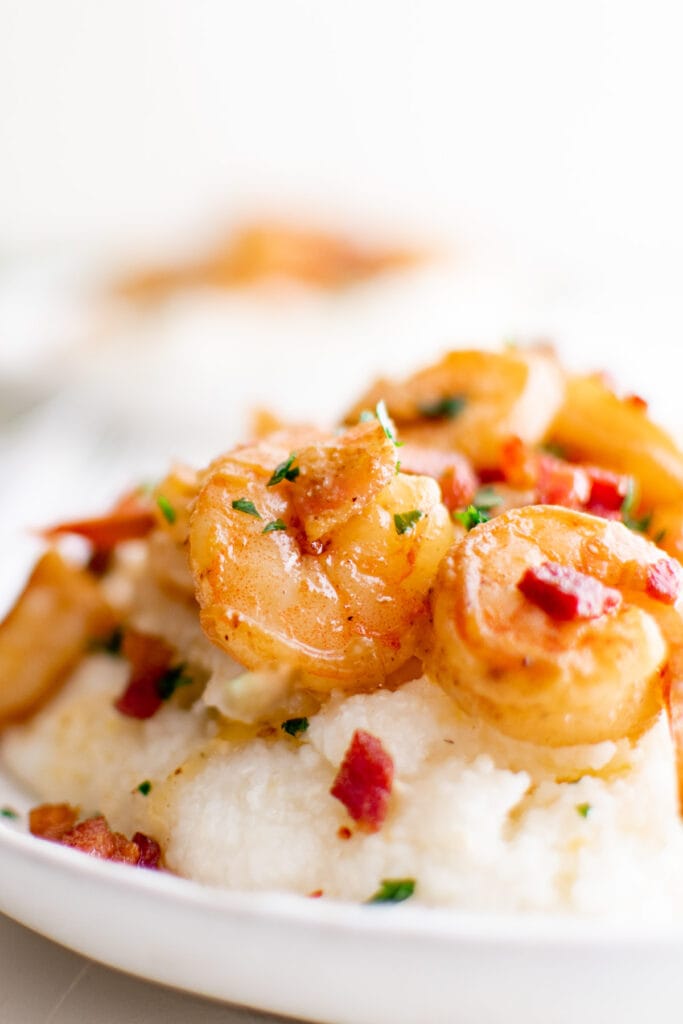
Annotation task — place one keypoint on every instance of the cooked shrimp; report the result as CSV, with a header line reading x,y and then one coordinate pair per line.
x,y
595,425
534,676
326,570
472,401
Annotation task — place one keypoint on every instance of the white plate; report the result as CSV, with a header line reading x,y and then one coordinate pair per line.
x,y
341,963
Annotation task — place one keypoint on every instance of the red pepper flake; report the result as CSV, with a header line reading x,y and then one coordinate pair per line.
x,y
664,580
344,833
639,403
566,594
315,895
364,780
150,659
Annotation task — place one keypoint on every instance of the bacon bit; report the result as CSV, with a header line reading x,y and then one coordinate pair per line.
x,y
452,471
566,594
664,580
131,519
607,490
150,658
364,780
315,895
149,855
561,483
344,833
52,821
57,823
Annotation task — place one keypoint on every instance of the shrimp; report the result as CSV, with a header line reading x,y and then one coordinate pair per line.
x,y
473,401
595,425
540,679
319,560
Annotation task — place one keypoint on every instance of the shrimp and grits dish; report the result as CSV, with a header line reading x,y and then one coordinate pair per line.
x,y
434,652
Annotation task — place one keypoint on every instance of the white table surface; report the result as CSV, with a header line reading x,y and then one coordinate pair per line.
x,y
70,989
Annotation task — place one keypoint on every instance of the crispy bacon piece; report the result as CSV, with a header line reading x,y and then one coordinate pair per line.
x,y
364,780
664,580
46,633
561,483
52,821
607,489
566,594
57,823
150,659
451,470
131,518
149,855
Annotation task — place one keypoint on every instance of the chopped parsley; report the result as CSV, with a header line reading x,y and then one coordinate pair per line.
x,y
487,497
7,812
167,509
284,471
145,787
471,517
583,809
405,521
295,726
394,890
446,408
244,505
108,644
639,525
173,679
553,448
386,424
659,536
276,524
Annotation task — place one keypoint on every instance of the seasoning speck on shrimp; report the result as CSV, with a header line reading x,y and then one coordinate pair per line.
x,y
335,590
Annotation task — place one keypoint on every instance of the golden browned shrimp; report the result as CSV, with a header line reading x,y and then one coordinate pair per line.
x,y
321,559
472,401
595,425
557,666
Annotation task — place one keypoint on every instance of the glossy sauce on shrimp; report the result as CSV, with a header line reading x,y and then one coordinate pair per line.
x,y
538,674
321,559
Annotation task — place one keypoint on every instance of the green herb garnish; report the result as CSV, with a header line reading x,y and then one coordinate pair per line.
x,y
471,517
295,726
7,812
405,521
167,509
584,809
276,524
446,408
107,644
244,505
145,787
284,472
173,679
487,497
386,423
659,536
394,890
553,448
639,525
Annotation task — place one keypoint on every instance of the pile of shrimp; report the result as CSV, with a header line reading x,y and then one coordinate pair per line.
x,y
506,528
